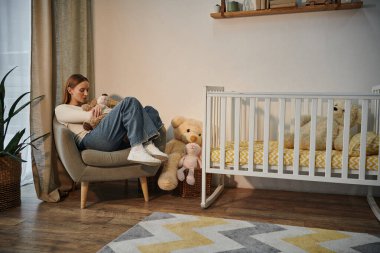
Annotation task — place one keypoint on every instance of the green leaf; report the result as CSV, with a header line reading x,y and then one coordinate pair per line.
x,y
2,108
12,111
40,137
24,144
15,145
14,142
2,91
15,157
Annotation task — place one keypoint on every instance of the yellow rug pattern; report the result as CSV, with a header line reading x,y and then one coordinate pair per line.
x,y
180,233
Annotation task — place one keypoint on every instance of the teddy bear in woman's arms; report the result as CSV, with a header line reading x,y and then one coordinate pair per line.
x,y
107,104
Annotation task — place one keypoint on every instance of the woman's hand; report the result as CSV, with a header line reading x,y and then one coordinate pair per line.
x,y
97,111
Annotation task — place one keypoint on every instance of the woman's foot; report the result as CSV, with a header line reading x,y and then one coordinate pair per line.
x,y
155,152
140,155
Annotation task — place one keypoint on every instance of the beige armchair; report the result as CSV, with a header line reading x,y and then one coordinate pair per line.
x,y
92,165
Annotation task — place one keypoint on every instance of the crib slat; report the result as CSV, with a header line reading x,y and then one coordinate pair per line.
x,y
377,118
223,112
329,138
363,139
376,111
237,134
252,107
378,160
346,138
312,136
371,120
296,152
281,130
216,122
266,135
208,132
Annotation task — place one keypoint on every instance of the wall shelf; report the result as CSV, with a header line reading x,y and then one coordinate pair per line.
x,y
314,8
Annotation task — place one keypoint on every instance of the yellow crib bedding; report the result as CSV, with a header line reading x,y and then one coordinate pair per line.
x,y
336,156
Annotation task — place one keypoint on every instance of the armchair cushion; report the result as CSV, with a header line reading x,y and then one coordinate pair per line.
x,y
106,159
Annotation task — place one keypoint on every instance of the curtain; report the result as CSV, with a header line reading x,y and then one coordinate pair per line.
x,y
61,45
15,19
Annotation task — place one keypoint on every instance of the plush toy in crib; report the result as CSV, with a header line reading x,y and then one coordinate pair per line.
x,y
189,161
321,129
106,102
372,144
185,131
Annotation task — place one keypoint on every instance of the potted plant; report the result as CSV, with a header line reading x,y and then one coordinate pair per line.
x,y
10,153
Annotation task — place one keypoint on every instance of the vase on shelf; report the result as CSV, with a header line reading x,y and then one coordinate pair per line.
x,y
232,6
247,5
216,8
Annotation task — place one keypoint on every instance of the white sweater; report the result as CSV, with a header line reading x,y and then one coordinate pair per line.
x,y
73,117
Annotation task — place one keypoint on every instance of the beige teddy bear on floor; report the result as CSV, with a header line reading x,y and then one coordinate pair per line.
x,y
107,104
321,129
185,131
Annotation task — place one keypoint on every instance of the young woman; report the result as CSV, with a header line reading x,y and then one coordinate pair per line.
x,y
127,119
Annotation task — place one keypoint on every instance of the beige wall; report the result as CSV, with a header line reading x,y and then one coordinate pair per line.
x,y
165,51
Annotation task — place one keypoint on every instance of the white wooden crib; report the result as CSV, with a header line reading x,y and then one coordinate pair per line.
x,y
250,128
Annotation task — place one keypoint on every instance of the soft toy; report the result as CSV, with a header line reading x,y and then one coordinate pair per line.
x,y
321,129
106,102
372,144
185,131
104,99
189,161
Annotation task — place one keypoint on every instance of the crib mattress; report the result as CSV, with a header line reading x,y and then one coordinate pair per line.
x,y
336,159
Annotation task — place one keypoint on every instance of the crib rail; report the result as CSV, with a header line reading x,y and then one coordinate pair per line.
x,y
233,117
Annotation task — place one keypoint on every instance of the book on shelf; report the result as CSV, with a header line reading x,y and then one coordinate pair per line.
x,y
262,4
256,4
267,4
274,6
281,1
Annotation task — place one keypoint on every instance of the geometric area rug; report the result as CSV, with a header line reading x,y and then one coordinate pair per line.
x,y
169,232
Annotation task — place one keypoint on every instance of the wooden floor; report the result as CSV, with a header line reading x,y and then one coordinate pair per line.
x,y
112,209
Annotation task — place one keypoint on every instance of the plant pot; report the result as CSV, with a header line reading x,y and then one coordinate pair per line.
x,y
10,174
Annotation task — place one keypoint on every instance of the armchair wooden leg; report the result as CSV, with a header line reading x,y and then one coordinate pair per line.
x,y
144,187
83,194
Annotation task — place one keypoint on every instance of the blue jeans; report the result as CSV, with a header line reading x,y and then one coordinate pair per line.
x,y
127,119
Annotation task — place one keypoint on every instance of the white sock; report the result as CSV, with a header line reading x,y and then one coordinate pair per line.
x,y
137,148
148,143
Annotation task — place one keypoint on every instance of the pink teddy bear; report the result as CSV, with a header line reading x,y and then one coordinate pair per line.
x,y
189,161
